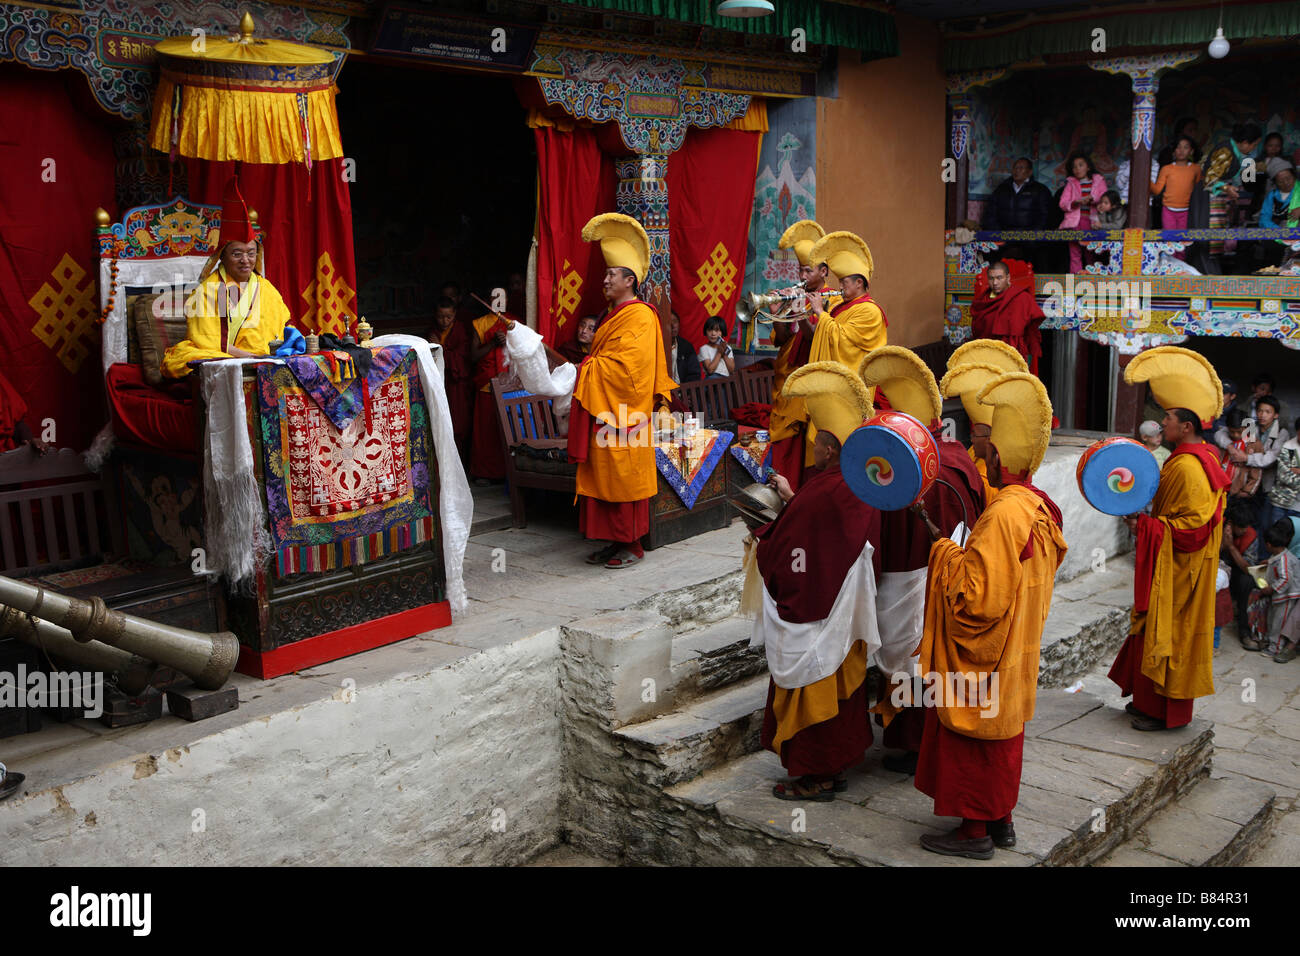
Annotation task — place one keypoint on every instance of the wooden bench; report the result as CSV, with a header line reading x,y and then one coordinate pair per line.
x,y
528,421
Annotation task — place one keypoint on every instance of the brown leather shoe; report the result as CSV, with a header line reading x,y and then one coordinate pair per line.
x,y
1002,834
950,844
1143,722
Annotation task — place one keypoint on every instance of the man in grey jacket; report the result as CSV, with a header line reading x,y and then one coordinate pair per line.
x,y
1271,437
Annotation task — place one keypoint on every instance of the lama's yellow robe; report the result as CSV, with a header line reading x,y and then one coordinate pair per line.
x,y
617,385
847,334
265,322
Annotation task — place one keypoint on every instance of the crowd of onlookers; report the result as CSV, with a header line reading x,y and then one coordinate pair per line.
x,y
1248,179
1259,574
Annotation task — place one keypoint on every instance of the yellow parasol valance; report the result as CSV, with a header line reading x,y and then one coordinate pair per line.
x,y
244,98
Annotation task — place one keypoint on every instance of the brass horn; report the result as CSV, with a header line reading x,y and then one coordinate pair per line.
x,y
207,659
751,306
132,672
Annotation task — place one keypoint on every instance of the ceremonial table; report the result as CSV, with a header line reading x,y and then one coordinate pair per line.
x,y
347,486
692,494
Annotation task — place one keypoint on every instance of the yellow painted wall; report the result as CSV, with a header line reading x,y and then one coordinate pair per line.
x,y
880,145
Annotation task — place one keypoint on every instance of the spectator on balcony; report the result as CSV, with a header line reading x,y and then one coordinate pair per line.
x,y
1020,202
1187,126
1275,158
1111,211
1223,181
1079,199
1276,210
1175,184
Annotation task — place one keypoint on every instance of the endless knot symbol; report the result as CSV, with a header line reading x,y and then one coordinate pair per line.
x,y
717,279
567,293
67,313
329,297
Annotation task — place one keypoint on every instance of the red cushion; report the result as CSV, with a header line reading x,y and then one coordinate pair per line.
x,y
161,418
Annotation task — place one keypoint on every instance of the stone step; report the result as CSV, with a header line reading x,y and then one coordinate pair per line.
x,y
1088,621
1090,781
1217,823
713,657
704,733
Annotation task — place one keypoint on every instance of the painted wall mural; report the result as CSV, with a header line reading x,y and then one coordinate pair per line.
x,y
785,192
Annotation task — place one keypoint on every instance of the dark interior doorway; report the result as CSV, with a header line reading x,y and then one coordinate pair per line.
x,y
445,190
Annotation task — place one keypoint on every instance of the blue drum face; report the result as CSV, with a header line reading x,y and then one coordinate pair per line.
x,y
882,468
1118,476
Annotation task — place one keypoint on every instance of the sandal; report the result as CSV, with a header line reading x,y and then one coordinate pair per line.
x,y
839,783
805,788
603,555
623,559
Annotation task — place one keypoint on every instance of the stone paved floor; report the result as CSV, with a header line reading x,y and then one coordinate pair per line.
x,y
1256,715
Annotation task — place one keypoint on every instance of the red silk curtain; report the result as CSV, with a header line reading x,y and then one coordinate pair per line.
x,y
58,167
710,198
575,182
306,222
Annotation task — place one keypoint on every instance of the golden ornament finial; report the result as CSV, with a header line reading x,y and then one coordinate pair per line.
x,y
102,218
246,26
252,216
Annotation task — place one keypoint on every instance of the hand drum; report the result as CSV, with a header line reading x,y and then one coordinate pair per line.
x,y
1118,476
891,461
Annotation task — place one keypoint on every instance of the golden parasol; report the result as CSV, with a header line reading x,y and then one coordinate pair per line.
x,y
247,99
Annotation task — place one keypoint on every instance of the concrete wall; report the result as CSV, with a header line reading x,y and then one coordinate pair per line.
x,y
455,765
880,146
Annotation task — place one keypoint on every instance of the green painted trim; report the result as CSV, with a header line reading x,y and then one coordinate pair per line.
x,y
1174,26
825,23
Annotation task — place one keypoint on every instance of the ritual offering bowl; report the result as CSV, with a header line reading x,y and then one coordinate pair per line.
x,y
1118,476
891,461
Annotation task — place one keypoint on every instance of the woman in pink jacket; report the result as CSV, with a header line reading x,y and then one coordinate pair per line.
x,y
1082,190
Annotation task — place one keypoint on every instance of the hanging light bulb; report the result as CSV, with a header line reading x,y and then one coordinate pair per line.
x,y
1219,46
745,8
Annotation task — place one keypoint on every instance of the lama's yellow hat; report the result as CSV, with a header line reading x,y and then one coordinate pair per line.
x,y
988,352
907,381
623,242
1022,420
965,381
845,253
801,237
1179,378
836,399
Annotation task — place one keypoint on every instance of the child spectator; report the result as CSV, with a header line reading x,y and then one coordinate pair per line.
x,y
1239,550
579,347
1284,496
1244,480
715,355
1080,195
1111,213
1176,182
1152,436
1263,384
1272,436
1283,591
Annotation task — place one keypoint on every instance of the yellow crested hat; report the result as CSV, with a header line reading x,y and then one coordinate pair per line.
x,y
623,242
988,352
845,253
836,399
801,237
1179,378
907,381
1022,420
965,381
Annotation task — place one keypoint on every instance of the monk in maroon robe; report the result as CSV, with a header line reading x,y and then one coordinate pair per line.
x,y
457,375
1009,314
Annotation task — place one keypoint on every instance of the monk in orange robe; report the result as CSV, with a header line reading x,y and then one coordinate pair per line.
x,y
1168,659
848,332
487,459
610,428
985,609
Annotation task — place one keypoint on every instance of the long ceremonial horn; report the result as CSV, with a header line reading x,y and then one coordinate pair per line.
x,y
207,659
132,672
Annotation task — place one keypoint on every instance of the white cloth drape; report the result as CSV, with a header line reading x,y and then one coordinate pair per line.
x,y
900,608
455,502
527,354
802,654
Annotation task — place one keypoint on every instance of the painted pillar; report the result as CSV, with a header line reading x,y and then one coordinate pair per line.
x,y
960,103
642,193
1144,75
